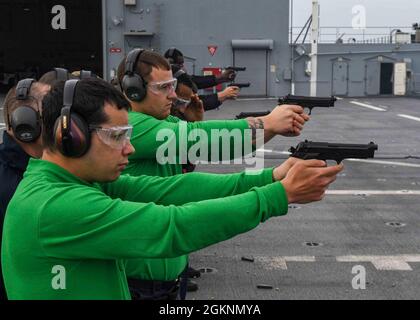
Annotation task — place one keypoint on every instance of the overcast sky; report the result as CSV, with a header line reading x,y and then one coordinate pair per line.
x,y
345,13
378,12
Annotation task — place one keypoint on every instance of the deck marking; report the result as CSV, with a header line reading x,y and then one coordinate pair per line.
x,y
367,106
380,262
384,263
391,163
406,116
280,263
374,192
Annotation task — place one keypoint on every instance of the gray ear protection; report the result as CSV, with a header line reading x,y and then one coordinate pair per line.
x,y
133,85
180,72
61,74
170,55
25,122
85,74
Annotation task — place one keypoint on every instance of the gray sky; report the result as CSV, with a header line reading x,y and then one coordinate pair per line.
x,y
378,12
384,13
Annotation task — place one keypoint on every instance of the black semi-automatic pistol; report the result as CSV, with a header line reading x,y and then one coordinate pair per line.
x,y
244,115
236,69
308,102
333,151
240,85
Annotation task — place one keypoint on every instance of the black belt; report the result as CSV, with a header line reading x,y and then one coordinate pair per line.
x,y
153,290
159,290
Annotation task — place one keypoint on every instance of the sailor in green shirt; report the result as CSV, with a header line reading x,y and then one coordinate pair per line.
x,y
74,220
147,81
150,87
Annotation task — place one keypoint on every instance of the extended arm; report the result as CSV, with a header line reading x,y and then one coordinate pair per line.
x,y
106,228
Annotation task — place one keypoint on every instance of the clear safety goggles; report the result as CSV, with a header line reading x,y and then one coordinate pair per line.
x,y
165,87
179,103
115,137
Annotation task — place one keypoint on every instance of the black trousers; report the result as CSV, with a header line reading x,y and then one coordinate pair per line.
x,y
159,290
153,290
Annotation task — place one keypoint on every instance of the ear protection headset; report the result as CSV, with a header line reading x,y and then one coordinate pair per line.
x,y
179,73
25,122
84,74
71,132
133,85
170,55
191,84
61,74
173,55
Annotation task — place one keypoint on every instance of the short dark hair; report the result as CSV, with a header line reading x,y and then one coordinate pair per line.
x,y
89,102
147,60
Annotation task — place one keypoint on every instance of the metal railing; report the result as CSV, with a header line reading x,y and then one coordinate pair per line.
x,y
373,35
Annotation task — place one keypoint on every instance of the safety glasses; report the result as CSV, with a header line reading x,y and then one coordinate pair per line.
x,y
115,137
165,87
179,103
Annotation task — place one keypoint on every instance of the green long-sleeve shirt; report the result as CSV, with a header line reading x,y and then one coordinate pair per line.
x,y
88,230
146,129
144,162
